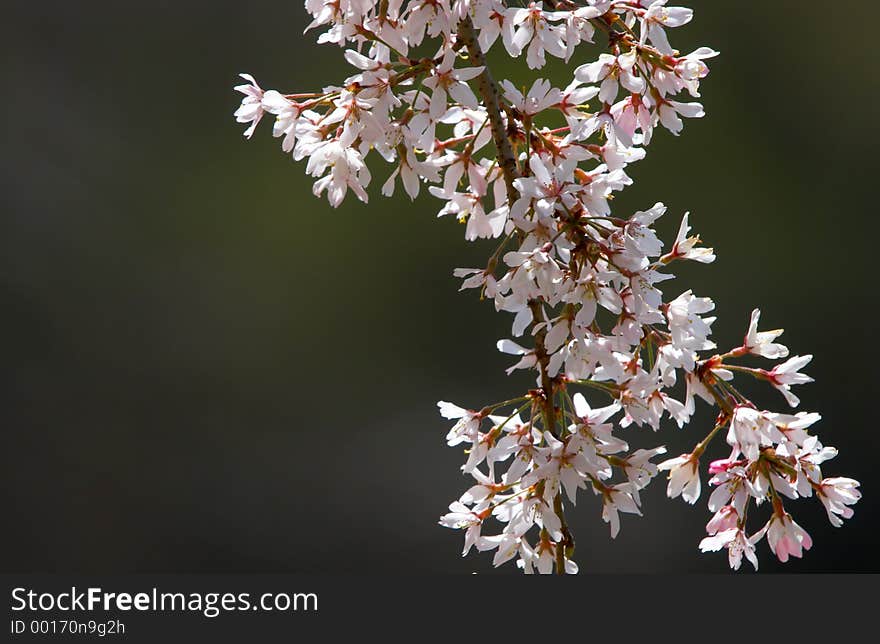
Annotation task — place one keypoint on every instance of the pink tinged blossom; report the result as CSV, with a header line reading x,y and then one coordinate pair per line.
x,y
617,156
458,166
684,477
690,69
629,115
477,277
545,559
694,388
287,115
393,34
722,465
786,538
542,559
494,19
483,490
689,331
565,466
549,185
837,494
812,454
725,519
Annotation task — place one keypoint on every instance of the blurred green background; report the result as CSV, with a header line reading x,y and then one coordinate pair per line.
x,y
211,370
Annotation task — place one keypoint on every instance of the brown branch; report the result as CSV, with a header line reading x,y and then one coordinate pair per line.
x,y
490,94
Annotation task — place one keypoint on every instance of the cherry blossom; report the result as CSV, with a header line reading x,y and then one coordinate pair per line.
x,y
684,477
760,343
786,538
784,375
737,544
251,109
837,494
532,171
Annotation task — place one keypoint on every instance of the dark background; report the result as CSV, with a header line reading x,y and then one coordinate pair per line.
x,y
211,370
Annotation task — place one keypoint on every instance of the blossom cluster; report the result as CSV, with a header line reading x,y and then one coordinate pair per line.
x,y
537,170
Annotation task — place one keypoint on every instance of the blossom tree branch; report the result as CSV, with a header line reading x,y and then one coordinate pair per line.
x,y
488,90
546,192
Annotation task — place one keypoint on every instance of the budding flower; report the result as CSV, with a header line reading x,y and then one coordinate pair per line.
x,y
786,538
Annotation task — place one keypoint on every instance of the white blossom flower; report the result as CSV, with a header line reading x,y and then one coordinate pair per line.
x,y
685,247
750,430
760,343
612,72
493,19
535,34
539,98
445,80
461,517
670,113
737,544
617,498
347,170
684,477
251,108
659,16
467,426
784,375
